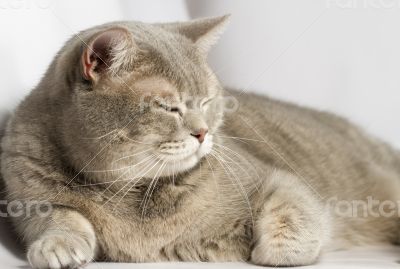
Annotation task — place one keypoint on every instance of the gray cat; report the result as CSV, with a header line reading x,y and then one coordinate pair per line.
x,y
131,140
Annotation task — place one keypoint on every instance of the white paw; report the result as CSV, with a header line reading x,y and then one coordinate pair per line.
x,y
61,250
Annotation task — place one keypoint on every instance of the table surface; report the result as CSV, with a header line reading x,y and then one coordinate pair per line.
x,y
363,258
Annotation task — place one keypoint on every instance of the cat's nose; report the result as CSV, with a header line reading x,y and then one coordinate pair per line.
x,y
200,134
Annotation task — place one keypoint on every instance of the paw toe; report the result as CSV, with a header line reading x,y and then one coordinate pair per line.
x,y
56,252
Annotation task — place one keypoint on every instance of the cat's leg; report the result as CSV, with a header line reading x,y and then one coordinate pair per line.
x,y
292,226
64,239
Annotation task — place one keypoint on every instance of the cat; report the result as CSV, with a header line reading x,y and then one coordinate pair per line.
x,y
144,157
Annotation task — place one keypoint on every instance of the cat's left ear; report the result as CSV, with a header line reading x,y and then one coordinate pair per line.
x,y
204,33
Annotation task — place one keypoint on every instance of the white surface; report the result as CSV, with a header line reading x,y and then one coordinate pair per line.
x,y
382,257
338,55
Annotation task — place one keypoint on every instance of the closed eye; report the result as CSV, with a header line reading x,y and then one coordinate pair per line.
x,y
175,109
168,108
206,102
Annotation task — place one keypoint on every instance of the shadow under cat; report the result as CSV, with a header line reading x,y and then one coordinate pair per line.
x,y
8,238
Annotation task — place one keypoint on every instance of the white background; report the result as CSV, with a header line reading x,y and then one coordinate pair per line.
x,y
337,55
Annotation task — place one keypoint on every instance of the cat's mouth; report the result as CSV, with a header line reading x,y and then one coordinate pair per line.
x,y
184,154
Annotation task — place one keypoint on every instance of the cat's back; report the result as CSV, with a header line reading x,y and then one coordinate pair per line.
x,y
265,118
315,142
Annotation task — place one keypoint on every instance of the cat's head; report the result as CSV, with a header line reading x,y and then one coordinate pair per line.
x,y
147,91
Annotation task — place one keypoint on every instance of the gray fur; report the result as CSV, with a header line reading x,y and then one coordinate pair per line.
x,y
259,195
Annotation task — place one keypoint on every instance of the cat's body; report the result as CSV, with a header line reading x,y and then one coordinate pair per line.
x,y
261,186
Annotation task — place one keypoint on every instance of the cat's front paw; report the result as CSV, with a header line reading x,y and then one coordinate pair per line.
x,y
287,236
61,250
285,253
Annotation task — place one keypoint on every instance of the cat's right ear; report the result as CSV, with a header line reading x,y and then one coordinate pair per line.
x,y
107,52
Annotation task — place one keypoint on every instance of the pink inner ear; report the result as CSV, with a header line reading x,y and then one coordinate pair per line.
x,y
87,65
96,58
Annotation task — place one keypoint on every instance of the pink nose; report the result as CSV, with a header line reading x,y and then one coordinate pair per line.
x,y
200,134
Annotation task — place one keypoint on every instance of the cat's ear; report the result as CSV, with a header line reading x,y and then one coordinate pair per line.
x,y
203,32
108,51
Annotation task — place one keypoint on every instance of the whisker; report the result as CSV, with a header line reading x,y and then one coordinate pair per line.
x,y
146,195
281,156
215,181
149,158
115,194
239,183
130,156
102,136
131,187
240,138
118,179
173,173
138,142
227,150
107,182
